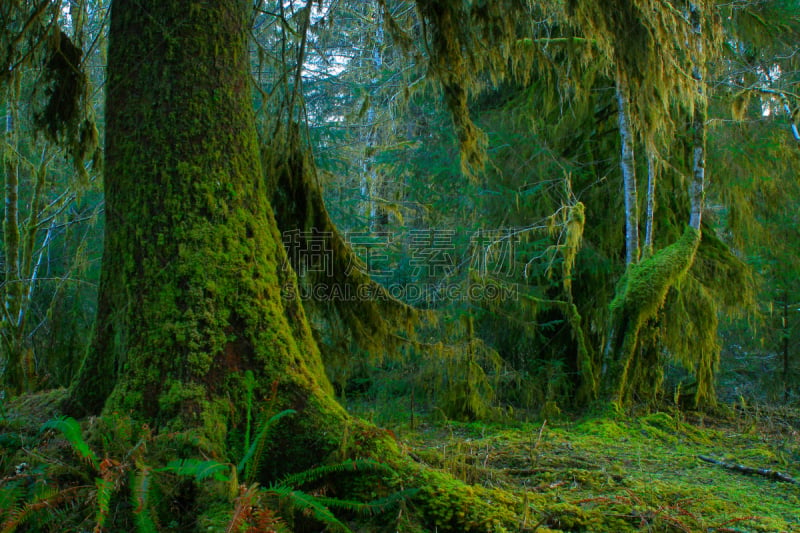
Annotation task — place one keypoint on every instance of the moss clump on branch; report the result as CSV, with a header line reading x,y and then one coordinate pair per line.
x,y
63,109
641,293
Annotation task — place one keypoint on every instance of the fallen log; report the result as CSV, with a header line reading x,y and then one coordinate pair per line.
x,y
765,472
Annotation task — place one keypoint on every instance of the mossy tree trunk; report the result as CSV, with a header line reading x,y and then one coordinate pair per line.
x,y
11,367
21,226
785,335
193,265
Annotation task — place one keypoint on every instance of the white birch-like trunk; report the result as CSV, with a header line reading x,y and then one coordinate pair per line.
x,y
793,125
628,166
651,204
11,368
697,186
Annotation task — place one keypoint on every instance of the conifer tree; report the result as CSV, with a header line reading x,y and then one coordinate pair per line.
x,y
193,266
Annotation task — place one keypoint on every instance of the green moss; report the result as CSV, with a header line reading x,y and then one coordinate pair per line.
x,y
450,505
640,295
194,266
377,325
644,287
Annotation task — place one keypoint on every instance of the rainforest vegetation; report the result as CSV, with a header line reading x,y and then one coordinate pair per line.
x,y
400,265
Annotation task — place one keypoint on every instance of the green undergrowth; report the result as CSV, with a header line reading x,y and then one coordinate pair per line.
x,y
609,472
602,472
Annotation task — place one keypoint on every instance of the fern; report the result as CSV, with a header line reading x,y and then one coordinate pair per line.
x,y
10,494
320,506
199,470
11,440
249,385
140,499
315,474
256,448
105,489
370,508
47,498
243,509
300,501
71,430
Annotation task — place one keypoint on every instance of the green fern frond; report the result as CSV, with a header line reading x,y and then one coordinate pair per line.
x,y
11,440
140,499
320,506
145,522
47,498
15,517
140,488
370,508
199,470
242,509
315,474
71,430
105,489
257,447
300,501
10,494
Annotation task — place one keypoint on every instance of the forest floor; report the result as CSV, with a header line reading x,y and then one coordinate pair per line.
x,y
603,472
609,472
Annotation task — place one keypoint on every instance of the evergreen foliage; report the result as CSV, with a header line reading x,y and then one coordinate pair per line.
x,y
416,206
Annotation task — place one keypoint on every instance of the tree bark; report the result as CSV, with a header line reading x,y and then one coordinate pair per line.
x,y
193,264
651,205
628,166
785,333
11,367
697,186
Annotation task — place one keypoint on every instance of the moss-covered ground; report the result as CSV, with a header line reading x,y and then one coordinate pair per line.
x,y
612,472
599,472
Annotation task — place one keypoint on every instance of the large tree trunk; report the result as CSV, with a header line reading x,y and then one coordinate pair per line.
x,y
193,265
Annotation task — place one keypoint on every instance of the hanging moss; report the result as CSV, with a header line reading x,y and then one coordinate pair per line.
x,y
647,40
463,379
63,109
573,235
468,42
377,322
66,84
690,321
683,330
690,318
